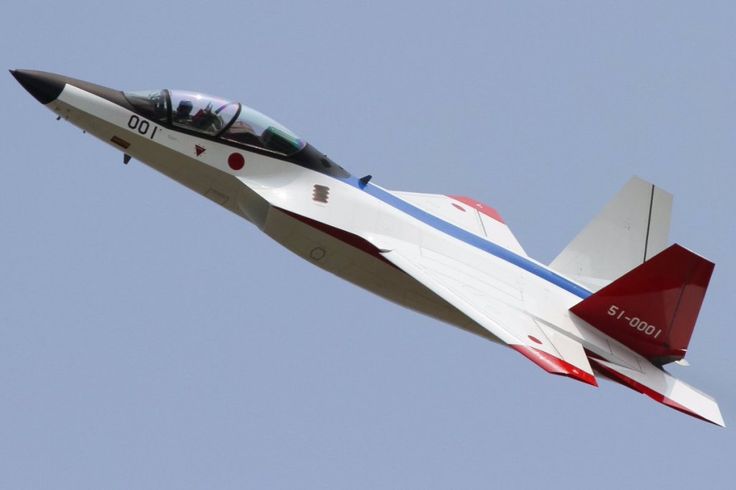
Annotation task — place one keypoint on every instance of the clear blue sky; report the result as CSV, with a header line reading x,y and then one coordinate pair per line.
x,y
150,339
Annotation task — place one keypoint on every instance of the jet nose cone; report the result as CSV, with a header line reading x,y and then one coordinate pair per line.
x,y
45,87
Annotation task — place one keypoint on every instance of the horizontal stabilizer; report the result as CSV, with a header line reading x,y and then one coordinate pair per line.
x,y
667,390
632,228
652,309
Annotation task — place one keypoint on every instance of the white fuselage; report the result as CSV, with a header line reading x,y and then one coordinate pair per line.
x,y
279,198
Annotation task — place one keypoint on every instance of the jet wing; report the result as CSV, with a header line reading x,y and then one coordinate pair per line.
x,y
466,213
469,291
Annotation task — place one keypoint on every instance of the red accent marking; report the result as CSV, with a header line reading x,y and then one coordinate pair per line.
x,y
666,291
636,386
534,339
236,161
554,365
199,149
459,207
343,236
482,208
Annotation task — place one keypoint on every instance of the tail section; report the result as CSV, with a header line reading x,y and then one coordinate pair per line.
x,y
632,228
653,308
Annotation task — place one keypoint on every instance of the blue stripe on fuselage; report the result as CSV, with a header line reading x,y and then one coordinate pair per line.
x,y
470,238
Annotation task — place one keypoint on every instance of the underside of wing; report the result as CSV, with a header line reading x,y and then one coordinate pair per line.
x,y
467,289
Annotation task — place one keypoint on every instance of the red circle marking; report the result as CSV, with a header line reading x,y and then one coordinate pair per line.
x,y
236,161
534,339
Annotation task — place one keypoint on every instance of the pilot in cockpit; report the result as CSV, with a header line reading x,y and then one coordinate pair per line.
x,y
207,120
183,111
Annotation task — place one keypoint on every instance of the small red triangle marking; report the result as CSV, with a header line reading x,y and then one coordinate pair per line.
x,y
199,149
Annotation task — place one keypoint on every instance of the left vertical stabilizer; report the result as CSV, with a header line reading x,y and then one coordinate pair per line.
x,y
632,228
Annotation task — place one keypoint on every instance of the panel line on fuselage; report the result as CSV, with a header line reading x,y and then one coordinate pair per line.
x,y
469,238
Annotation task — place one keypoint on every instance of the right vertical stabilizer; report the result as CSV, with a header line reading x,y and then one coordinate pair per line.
x,y
653,308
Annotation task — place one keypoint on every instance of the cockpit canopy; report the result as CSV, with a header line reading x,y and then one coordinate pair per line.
x,y
215,117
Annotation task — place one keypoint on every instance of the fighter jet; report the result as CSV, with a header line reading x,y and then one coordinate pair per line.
x,y
616,303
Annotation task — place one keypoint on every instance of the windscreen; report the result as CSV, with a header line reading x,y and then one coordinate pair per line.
x,y
152,104
215,116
